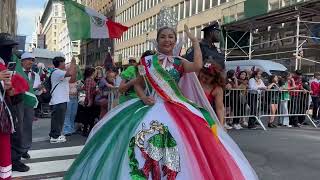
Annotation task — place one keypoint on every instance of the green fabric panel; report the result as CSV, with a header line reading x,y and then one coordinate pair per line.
x,y
255,7
103,155
78,21
129,73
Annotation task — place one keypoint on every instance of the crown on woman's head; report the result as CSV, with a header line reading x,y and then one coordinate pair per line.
x,y
167,18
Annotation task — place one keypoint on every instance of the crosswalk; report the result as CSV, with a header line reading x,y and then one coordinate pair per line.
x,y
48,164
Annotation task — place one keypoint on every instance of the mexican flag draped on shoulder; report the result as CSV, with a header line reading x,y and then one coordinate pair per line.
x,y
86,23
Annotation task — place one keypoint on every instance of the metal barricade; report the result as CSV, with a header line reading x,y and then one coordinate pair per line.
x,y
242,103
285,104
113,98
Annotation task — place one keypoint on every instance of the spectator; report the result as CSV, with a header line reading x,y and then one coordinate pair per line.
x,y
232,100
6,45
255,86
60,96
24,137
243,80
243,105
72,108
274,101
212,82
90,108
296,102
315,95
106,85
285,97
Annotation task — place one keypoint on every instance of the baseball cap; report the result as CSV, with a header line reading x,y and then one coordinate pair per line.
x,y
27,55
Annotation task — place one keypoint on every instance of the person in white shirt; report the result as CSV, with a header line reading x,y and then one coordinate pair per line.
x,y
255,86
60,96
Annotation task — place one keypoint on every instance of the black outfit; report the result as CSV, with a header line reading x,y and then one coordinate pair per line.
x,y
253,103
57,119
207,52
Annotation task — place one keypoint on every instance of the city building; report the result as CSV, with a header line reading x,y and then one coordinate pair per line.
x,y
22,42
66,46
54,30
8,16
94,51
141,17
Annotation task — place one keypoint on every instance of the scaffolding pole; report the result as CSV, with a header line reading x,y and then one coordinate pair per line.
x,y
250,45
226,47
297,42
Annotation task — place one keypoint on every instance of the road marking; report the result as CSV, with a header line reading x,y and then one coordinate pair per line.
x,y
45,167
43,153
49,163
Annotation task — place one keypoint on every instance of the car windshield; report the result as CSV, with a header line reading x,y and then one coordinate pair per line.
x,y
278,72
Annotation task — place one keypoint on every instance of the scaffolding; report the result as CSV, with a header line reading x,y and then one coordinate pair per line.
x,y
303,17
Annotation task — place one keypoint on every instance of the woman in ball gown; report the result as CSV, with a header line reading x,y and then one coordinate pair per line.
x,y
161,134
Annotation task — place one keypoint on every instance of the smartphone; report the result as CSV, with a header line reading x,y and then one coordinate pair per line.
x,y
11,67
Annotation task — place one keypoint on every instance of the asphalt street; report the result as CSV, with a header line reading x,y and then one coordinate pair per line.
x,y
275,154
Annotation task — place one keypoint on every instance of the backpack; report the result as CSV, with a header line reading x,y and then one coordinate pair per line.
x,y
46,97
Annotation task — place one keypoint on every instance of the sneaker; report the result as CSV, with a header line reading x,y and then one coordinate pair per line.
x,y
19,166
245,124
227,127
237,126
289,126
60,139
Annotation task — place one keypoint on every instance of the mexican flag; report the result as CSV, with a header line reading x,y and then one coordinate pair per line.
x,y
86,23
29,97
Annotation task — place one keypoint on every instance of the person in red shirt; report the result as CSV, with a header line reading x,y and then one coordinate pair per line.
x,y
315,95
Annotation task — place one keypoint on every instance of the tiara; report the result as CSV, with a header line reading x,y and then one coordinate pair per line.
x,y
167,18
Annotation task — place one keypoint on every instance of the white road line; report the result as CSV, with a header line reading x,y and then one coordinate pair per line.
x,y
45,168
55,152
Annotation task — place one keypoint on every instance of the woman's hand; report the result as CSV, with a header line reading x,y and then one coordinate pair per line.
x,y
190,36
5,75
148,100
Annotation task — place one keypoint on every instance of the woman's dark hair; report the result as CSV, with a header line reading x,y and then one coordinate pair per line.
x,y
88,72
241,73
57,60
148,53
230,74
255,73
271,78
216,72
166,27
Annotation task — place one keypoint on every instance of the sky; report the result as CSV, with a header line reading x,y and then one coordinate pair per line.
x,y
27,10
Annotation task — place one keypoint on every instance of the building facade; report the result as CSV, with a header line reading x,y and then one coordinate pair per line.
x,y
141,17
66,46
8,16
94,51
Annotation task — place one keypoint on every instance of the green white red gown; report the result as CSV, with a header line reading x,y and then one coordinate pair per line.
x,y
173,139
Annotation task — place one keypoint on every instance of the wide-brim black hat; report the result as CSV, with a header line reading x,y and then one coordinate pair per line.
x,y
7,40
212,27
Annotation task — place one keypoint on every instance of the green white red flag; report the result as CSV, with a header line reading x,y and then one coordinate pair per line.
x,y
86,23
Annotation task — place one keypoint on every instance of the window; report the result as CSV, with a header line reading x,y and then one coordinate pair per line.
x,y
200,6
55,34
181,11
198,29
194,6
55,26
55,42
187,9
222,1
206,5
214,3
